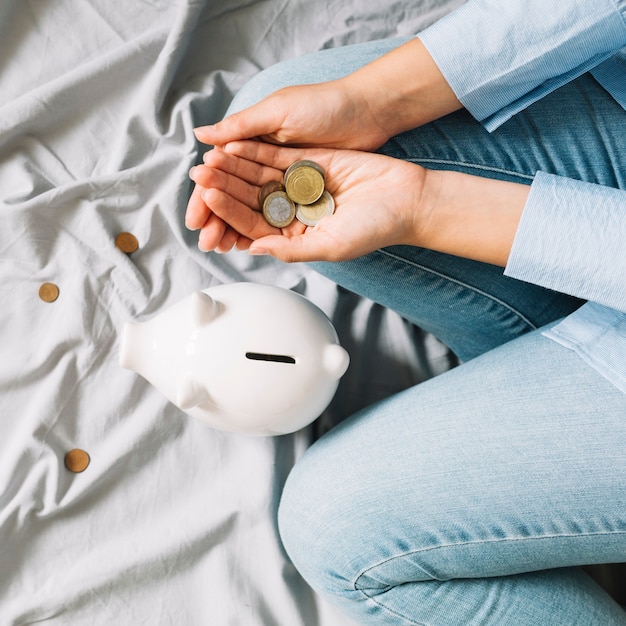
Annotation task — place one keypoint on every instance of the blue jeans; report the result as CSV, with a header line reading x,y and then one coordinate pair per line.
x,y
472,498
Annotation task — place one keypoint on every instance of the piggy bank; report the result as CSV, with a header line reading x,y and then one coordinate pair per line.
x,y
242,357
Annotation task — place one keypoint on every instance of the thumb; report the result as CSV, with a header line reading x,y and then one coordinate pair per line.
x,y
244,124
309,246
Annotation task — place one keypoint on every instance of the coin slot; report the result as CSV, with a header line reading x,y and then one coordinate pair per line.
x,y
274,358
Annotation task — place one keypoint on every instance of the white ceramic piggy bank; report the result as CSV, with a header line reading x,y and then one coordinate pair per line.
x,y
243,357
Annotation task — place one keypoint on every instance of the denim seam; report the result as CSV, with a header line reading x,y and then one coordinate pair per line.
x,y
476,166
464,543
482,541
462,284
391,611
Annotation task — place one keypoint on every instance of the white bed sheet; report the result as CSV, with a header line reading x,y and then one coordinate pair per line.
x,y
172,522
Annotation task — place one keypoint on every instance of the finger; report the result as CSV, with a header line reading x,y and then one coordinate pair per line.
x,y
211,233
313,245
243,243
278,158
197,211
249,171
238,215
251,122
210,178
228,241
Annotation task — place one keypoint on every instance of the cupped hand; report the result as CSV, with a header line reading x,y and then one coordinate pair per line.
x,y
331,114
380,201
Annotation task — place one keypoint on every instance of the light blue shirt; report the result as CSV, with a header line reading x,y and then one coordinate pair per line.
x,y
571,236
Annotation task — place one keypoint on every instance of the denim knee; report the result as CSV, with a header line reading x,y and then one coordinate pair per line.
x,y
317,524
315,67
263,84
305,522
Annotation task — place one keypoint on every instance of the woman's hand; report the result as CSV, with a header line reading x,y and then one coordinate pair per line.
x,y
379,201
401,90
333,114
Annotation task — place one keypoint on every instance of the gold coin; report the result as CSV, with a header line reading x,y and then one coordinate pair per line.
x,y
77,460
311,214
48,292
278,209
304,182
127,242
268,188
307,163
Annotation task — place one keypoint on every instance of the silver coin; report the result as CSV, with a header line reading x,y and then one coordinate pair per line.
x,y
278,209
311,214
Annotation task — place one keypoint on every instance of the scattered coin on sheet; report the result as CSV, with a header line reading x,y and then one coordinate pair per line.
x,y
48,292
77,460
127,242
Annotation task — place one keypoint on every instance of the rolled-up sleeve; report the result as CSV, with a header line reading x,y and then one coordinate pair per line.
x,y
500,57
571,239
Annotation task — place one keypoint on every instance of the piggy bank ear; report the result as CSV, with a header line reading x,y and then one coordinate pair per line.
x,y
336,360
190,393
204,308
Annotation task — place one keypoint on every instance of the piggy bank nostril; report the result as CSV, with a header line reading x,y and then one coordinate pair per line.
x,y
275,358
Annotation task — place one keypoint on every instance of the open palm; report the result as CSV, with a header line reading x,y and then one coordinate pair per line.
x,y
378,202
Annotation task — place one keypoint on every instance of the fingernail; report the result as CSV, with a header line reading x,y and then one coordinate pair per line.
x,y
191,171
257,250
201,129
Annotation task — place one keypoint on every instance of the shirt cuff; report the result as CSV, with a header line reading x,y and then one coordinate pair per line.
x,y
571,239
499,58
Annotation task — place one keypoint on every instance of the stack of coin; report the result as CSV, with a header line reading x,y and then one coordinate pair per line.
x,y
278,208
311,214
302,196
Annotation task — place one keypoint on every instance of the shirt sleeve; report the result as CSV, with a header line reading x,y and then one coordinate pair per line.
x,y
571,239
500,57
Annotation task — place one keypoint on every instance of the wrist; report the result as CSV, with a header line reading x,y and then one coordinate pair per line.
x,y
403,89
470,216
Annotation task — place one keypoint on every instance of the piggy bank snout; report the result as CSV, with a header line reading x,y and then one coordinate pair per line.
x,y
336,360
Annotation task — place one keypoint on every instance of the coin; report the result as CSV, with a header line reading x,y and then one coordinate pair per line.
x,y
77,460
127,242
304,182
311,214
278,209
48,292
268,188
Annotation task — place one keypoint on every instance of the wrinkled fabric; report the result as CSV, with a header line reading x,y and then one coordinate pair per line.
x,y
172,522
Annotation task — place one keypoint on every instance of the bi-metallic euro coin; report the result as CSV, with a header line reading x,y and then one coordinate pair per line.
x,y
304,182
278,209
311,214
